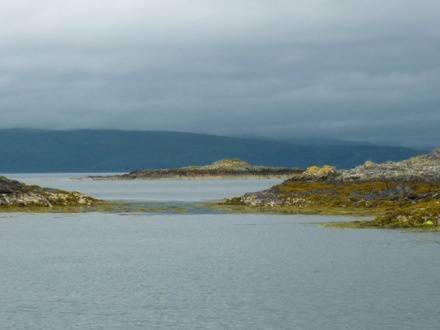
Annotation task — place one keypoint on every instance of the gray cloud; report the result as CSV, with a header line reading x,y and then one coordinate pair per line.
x,y
364,70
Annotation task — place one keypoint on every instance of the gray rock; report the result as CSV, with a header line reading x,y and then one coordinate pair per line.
x,y
424,168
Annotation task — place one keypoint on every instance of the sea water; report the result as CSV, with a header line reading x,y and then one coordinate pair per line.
x,y
208,270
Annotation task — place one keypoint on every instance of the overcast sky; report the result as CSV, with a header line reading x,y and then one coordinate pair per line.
x,y
355,70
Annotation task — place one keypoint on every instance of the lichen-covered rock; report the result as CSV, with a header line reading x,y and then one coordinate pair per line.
x,y
228,164
315,172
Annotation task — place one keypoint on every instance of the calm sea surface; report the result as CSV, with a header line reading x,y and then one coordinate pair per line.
x,y
207,270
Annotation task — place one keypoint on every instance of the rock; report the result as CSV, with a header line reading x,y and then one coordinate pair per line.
x,y
18,194
315,172
222,169
425,168
402,194
368,165
227,164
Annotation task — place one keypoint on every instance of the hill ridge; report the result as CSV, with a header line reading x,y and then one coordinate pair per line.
x,y
106,150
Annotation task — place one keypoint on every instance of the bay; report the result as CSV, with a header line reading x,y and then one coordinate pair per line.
x,y
208,271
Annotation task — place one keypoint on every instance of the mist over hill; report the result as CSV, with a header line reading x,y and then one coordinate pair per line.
x,y
32,151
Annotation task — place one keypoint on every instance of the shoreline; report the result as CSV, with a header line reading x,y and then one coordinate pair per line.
x,y
184,177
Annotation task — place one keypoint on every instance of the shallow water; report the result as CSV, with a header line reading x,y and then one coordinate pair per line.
x,y
208,271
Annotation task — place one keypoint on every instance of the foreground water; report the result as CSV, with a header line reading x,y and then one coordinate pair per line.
x,y
208,271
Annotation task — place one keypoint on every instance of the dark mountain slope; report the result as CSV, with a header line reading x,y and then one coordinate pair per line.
x,y
26,150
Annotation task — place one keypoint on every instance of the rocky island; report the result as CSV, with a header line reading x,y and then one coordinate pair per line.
x,y
402,194
226,169
18,196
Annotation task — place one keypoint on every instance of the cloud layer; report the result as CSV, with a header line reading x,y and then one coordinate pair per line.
x,y
364,70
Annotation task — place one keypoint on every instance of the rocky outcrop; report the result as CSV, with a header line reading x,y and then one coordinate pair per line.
x,y
220,170
15,194
401,194
319,173
425,168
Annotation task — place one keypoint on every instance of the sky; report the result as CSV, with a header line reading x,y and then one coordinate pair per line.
x,y
362,70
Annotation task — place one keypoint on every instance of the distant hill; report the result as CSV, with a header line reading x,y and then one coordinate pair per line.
x,y
28,150
326,142
314,141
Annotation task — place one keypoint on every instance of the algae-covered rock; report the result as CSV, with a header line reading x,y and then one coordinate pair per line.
x,y
15,194
400,194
